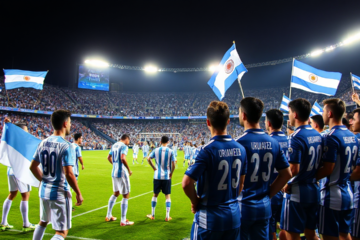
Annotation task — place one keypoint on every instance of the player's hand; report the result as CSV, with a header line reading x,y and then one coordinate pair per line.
x,y
194,206
7,120
83,167
170,175
155,169
130,173
355,97
287,189
79,199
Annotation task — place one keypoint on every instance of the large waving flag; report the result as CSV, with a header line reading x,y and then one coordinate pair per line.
x,y
314,80
355,81
284,104
18,78
17,149
229,69
316,109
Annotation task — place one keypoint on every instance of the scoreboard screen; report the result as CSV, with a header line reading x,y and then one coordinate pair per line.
x,y
93,78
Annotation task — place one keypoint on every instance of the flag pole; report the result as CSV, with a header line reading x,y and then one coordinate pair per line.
x,y
292,68
352,83
241,89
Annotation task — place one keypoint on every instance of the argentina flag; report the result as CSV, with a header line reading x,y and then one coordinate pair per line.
x,y
229,69
316,109
284,104
314,80
17,148
355,81
18,78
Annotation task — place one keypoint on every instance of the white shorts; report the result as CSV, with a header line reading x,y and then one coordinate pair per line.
x,y
135,155
122,184
58,212
16,185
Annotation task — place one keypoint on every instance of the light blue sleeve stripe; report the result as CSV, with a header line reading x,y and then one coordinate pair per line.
x,y
314,87
320,73
13,85
26,73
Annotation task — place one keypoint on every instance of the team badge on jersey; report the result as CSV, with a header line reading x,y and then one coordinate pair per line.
x,y
326,148
290,150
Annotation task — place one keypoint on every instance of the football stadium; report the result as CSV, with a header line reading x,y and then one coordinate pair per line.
x,y
139,121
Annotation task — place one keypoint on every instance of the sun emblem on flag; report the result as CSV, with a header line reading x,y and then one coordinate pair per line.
x,y
229,66
313,78
26,78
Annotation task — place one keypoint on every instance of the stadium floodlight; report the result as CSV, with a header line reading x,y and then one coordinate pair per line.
x,y
213,68
329,49
150,69
317,53
352,39
97,63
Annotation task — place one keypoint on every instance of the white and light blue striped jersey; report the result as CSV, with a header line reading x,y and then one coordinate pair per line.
x,y
192,152
341,148
163,158
196,152
175,149
145,148
77,155
186,150
116,151
136,148
54,153
10,171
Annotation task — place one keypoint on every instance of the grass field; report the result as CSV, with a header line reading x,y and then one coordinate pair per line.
x,y
96,186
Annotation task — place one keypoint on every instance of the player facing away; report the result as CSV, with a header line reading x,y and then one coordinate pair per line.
x,y
340,154
264,155
121,179
145,149
57,159
135,153
77,143
175,148
273,123
164,169
16,186
301,199
219,171
186,152
355,176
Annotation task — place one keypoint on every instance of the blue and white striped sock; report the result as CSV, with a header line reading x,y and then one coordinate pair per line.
x,y
153,206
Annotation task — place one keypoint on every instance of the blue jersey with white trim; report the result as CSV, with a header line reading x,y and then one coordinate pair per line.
x,y
163,158
77,155
217,170
264,155
341,148
54,153
116,151
284,145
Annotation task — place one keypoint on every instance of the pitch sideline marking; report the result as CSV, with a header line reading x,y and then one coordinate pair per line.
x,y
117,202
49,234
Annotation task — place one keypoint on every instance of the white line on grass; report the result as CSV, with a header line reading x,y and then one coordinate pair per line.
x,y
116,203
49,234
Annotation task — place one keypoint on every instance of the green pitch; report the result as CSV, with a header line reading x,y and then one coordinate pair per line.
x,y
96,186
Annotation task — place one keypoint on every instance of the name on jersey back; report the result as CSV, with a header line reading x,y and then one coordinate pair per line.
x,y
230,152
261,146
349,139
314,139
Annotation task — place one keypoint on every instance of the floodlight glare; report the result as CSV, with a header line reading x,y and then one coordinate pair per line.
x,y
329,49
151,69
213,68
317,53
352,39
97,63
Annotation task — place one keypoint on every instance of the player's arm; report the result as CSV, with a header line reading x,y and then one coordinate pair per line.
x,y
283,168
34,168
151,156
355,176
110,159
188,184
172,164
328,159
123,160
81,162
241,183
70,177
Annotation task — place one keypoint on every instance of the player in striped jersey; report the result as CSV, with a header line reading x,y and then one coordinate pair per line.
x,y
219,172
186,152
78,141
164,169
175,149
340,152
273,123
14,186
135,153
57,159
121,179
264,155
145,149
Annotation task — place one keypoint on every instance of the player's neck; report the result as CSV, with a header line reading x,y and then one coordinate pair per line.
x,y
274,130
164,145
215,132
59,133
333,123
248,125
299,123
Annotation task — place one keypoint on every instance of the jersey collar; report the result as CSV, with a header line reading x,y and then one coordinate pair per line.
x,y
303,126
278,133
255,130
222,137
338,127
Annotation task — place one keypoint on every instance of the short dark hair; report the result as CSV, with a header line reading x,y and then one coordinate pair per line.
x,y
357,110
218,114
302,107
59,117
345,122
202,143
351,115
275,117
164,139
21,125
253,108
77,136
336,106
124,137
318,119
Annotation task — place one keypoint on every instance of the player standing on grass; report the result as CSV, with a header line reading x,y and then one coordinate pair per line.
x,y
120,178
145,149
175,148
57,159
76,145
219,173
340,155
135,153
264,154
273,123
14,186
165,166
186,152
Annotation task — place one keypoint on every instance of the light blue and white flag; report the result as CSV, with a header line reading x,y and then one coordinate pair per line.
x,y
17,149
284,104
314,80
356,81
229,69
18,78
316,109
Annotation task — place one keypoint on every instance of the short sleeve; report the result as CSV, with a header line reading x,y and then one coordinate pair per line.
x,y
78,152
124,150
197,169
281,162
244,164
295,150
152,154
36,156
68,157
110,152
331,148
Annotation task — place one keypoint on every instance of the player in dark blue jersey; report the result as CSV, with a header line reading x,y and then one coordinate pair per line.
x,y
219,171
264,154
301,201
273,123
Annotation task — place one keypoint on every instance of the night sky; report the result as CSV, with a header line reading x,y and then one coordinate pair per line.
x,y
58,36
